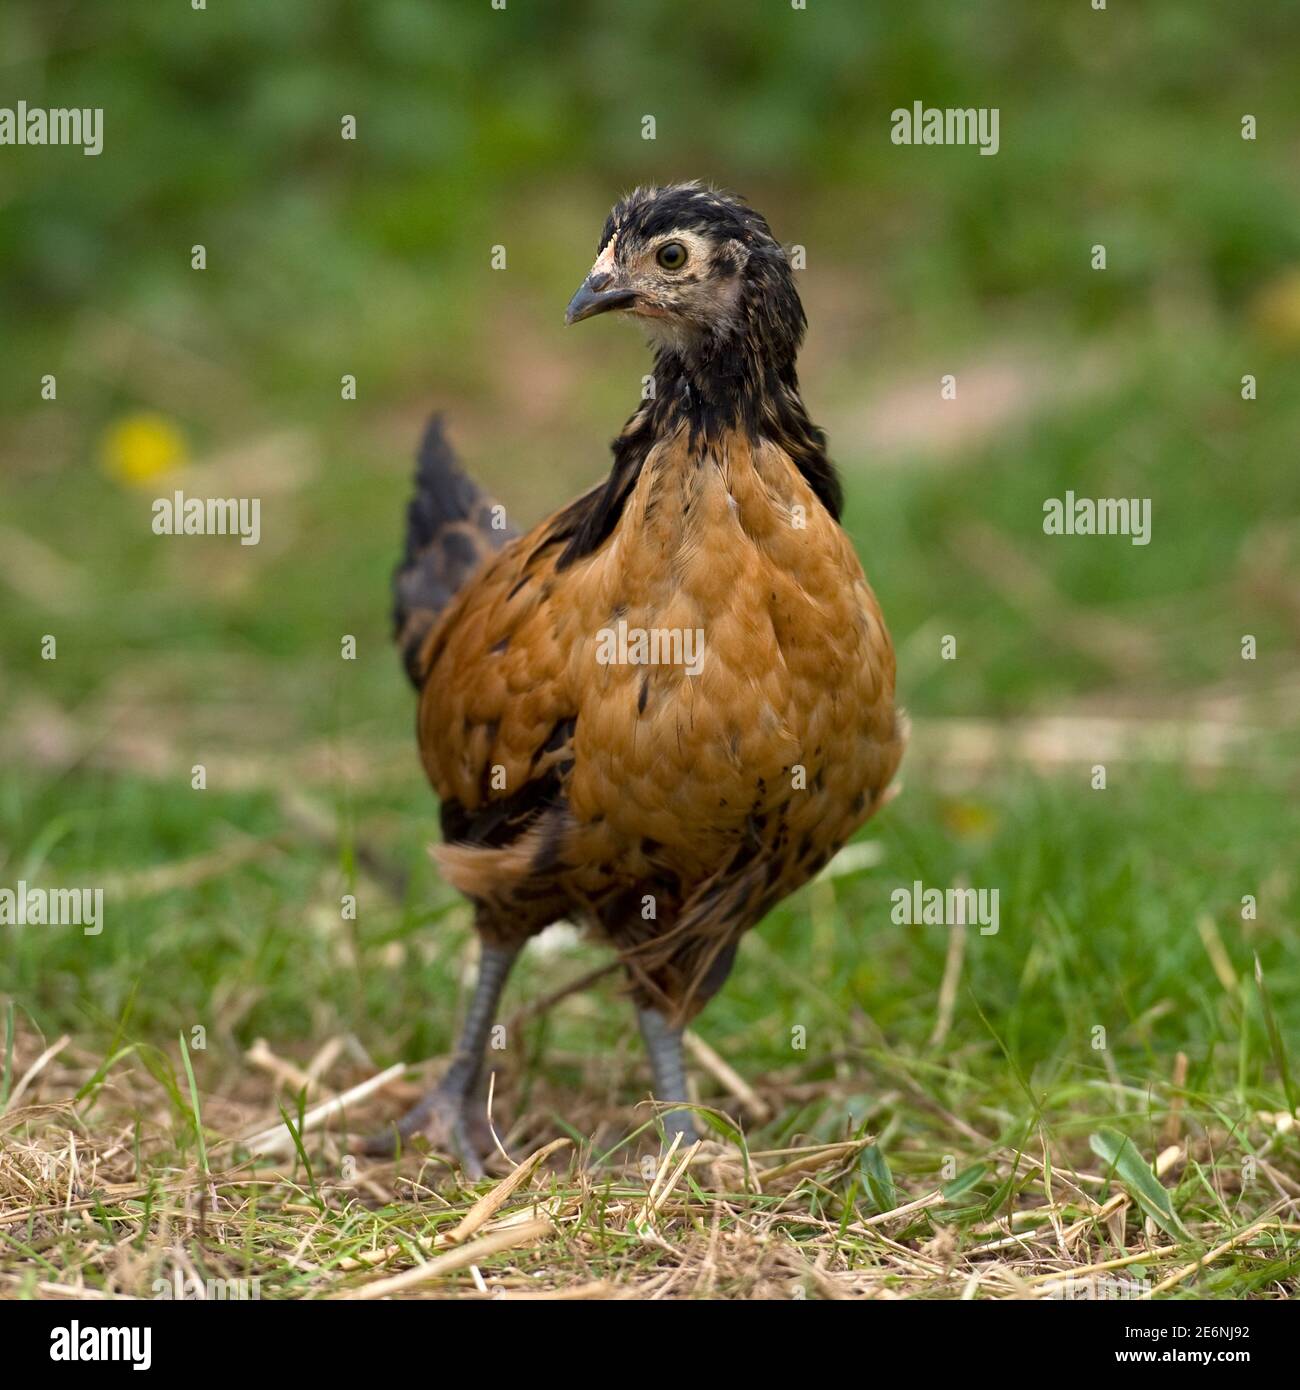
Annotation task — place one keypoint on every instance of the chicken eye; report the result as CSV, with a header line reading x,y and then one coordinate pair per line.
x,y
671,255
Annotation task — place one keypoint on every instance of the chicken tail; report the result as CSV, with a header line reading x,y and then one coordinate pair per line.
x,y
452,527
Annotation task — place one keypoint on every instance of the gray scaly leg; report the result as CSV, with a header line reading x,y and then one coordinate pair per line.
x,y
663,1043
442,1114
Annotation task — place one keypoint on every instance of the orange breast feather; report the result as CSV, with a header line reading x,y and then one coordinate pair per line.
x,y
719,777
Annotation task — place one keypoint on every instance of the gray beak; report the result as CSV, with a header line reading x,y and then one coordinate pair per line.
x,y
595,297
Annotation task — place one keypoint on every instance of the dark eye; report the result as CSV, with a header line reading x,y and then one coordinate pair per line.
x,y
671,255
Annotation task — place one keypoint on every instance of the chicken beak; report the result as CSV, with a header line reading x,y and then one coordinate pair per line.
x,y
595,296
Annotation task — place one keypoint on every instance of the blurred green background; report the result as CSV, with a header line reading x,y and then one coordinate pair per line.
x,y
476,128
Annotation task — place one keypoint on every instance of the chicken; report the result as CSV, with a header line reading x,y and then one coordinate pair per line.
x,y
664,708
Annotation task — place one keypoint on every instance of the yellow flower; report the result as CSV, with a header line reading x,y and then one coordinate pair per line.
x,y
1276,310
137,448
968,819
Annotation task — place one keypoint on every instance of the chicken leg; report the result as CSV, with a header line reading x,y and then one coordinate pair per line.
x,y
443,1113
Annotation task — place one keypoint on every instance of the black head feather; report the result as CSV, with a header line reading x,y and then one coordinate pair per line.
x,y
741,246
728,329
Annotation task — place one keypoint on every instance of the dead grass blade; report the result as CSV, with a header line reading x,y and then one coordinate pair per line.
x,y
462,1257
491,1202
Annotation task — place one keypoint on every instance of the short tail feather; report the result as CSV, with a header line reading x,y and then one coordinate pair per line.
x,y
449,534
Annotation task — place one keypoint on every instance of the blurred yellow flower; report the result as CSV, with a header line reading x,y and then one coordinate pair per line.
x,y
1276,310
969,819
138,448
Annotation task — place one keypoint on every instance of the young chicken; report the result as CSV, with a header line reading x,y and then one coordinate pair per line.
x,y
665,707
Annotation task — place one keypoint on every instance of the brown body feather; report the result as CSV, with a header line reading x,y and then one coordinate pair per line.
x,y
588,790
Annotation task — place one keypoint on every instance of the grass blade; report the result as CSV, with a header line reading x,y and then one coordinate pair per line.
x,y
6,1081
879,1180
1122,1159
295,1133
1275,1037
194,1101
964,1182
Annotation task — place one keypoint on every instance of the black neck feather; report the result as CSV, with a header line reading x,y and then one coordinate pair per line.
x,y
724,387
